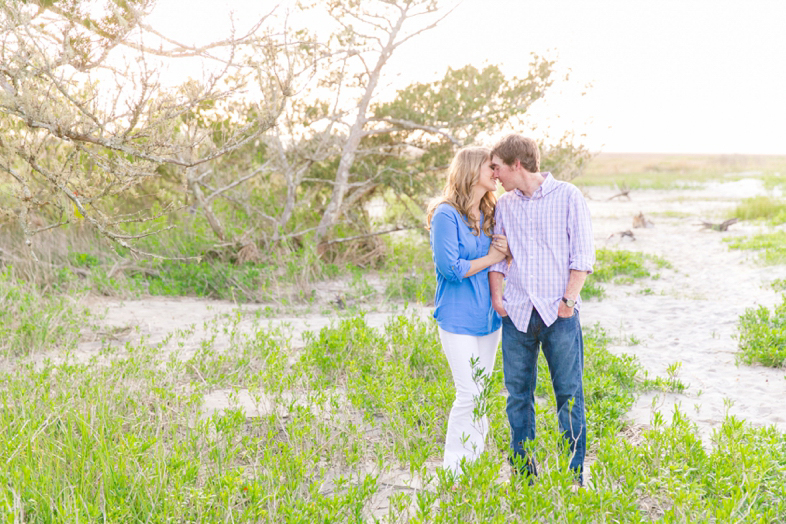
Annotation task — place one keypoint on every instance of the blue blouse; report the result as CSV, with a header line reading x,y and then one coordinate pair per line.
x,y
463,305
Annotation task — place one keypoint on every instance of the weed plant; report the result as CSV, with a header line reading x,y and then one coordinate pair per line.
x,y
671,384
762,336
772,246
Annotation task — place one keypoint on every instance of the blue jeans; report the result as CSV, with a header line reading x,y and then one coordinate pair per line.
x,y
563,347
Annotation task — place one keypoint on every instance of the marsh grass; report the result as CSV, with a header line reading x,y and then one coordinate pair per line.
x,y
762,336
762,208
347,428
771,246
620,267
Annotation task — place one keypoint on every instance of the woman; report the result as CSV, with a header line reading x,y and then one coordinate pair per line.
x,y
461,224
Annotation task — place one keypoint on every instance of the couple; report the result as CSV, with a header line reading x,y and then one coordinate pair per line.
x,y
538,237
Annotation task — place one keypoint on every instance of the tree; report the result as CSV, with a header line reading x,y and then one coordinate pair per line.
x,y
87,121
92,133
353,143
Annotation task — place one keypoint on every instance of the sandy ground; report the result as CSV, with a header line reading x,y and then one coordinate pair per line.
x,y
691,317
686,317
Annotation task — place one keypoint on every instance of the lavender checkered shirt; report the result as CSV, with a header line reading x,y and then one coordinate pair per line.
x,y
548,234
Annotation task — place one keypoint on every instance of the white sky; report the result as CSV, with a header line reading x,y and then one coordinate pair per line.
x,y
682,76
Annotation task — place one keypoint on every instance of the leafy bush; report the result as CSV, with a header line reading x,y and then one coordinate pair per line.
x,y
762,336
592,289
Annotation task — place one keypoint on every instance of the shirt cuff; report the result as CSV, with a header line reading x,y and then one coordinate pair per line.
x,y
460,269
581,264
500,267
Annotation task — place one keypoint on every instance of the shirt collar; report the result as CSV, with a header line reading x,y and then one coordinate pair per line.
x,y
544,188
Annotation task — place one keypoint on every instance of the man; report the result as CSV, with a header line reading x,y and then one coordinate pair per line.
x,y
549,234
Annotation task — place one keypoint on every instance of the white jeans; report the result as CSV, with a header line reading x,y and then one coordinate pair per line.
x,y
467,432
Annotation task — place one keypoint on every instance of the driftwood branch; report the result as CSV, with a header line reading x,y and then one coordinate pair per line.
x,y
623,192
366,235
723,226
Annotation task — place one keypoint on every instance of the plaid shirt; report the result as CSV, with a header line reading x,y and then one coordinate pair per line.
x,y
548,234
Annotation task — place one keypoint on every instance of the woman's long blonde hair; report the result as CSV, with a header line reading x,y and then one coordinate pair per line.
x,y
463,175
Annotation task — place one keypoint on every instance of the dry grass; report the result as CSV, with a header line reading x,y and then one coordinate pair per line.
x,y
665,168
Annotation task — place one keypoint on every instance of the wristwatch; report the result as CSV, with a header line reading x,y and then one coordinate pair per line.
x,y
569,302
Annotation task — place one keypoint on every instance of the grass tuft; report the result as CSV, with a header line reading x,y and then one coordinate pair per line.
x,y
762,208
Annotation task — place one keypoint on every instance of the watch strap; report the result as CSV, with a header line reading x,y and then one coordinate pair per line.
x,y
568,302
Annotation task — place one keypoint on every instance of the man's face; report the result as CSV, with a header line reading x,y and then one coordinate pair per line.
x,y
503,173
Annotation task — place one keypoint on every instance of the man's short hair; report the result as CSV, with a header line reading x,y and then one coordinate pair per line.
x,y
517,147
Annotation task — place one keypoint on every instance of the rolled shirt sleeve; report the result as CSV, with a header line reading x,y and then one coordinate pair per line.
x,y
582,247
445,245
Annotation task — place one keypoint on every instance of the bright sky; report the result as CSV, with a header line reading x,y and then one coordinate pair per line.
x,y
681,76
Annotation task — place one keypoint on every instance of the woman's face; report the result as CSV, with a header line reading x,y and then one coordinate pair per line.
x,y
486,179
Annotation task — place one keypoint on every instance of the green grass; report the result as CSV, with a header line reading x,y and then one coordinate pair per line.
x,y
762,208
762,336
31,321
772,246
320,433
409,270
620,267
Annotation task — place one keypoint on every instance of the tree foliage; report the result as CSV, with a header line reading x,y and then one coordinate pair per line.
x,y
87,121
288,129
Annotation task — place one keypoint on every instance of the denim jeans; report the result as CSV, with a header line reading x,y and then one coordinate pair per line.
x,y
563,347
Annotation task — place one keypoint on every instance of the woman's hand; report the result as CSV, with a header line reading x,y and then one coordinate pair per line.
x,y
496,255
500,243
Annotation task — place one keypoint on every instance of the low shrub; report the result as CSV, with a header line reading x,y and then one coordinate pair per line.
x,y
762,335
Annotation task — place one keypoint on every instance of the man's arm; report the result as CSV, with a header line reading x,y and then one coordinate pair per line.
x,y
575,283
496,280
